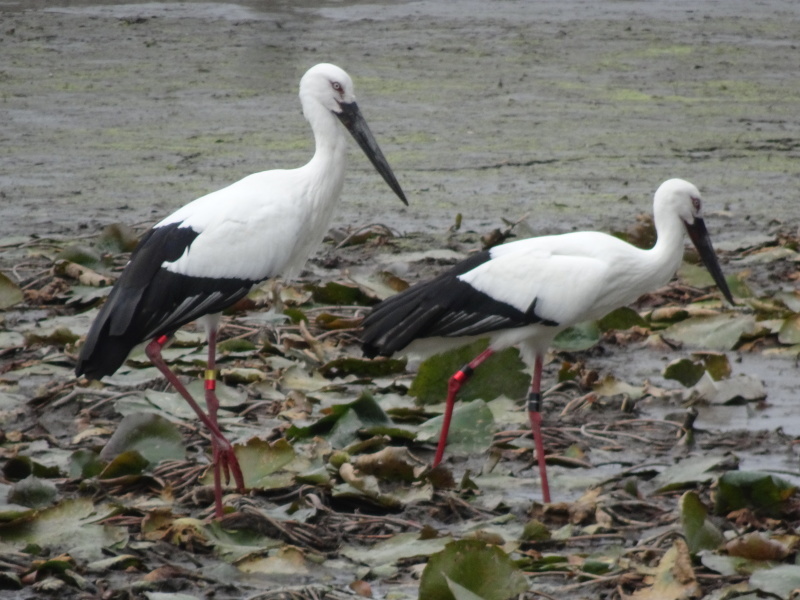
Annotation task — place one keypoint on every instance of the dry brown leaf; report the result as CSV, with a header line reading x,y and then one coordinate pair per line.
x,y
674,578
757,546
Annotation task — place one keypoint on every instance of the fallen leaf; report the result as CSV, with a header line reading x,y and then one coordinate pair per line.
x,y
484,570
699,531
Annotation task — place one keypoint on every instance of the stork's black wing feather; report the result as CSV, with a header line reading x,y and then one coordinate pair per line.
x,y
442,307
148,301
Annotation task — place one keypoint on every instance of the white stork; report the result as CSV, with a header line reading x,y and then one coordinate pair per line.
x,y
525,292
208,254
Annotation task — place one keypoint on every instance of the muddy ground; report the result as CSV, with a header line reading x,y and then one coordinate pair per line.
x,y
567,113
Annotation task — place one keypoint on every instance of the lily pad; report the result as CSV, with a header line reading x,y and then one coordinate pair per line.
x,y
85,463
344,420
69,526
716,363
501,374
259,461
790,300
340,294
341,367
117,237
33,493
153,436
692,470
128,463
485,571
732,565
700,533
790,330
10,294
397,547
739,390
471,429
764,492
719,332
685,371
621,318
578,337
781,580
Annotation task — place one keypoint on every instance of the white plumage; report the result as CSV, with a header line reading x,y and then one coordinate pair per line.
x,y
525,292
208,254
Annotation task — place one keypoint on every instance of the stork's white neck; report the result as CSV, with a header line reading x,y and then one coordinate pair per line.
x,y
667,254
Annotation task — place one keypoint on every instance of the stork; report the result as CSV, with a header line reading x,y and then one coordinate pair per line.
x,y
525,292
208,254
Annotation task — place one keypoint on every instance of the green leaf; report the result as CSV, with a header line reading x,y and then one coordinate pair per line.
x,y
339,294
10,294
790,300
781,580
716,363
116,238
344,421
502,373
20,467
700,533
235,345
471,428
153,436
260,460
460,592
790,331
397,547
750,489
69,526
485,571
535,531
124,464
685,371
692,470
621,318
233,544
349,365
719,332
33,493
578,337
732,565
80,254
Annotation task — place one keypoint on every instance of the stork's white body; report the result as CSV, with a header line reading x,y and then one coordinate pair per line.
x,y
526,292
208,254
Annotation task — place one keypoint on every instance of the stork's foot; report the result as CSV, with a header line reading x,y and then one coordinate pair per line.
x,y
225,464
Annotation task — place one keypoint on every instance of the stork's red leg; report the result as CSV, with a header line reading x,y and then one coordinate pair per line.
x,y
223,450
212,405
534,412
454,385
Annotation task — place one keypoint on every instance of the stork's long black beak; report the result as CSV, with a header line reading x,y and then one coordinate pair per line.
x,y
351,117
701,240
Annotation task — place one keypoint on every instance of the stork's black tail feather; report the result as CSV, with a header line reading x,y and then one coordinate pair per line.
x,y
148,300
445,306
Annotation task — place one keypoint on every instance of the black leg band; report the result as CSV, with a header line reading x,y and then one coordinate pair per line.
x,y
534,402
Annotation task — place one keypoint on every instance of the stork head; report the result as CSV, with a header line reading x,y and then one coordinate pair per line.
x,y
329,86
682,199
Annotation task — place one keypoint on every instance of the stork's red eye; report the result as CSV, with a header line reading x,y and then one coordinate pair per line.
x,y
337,86
696,203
